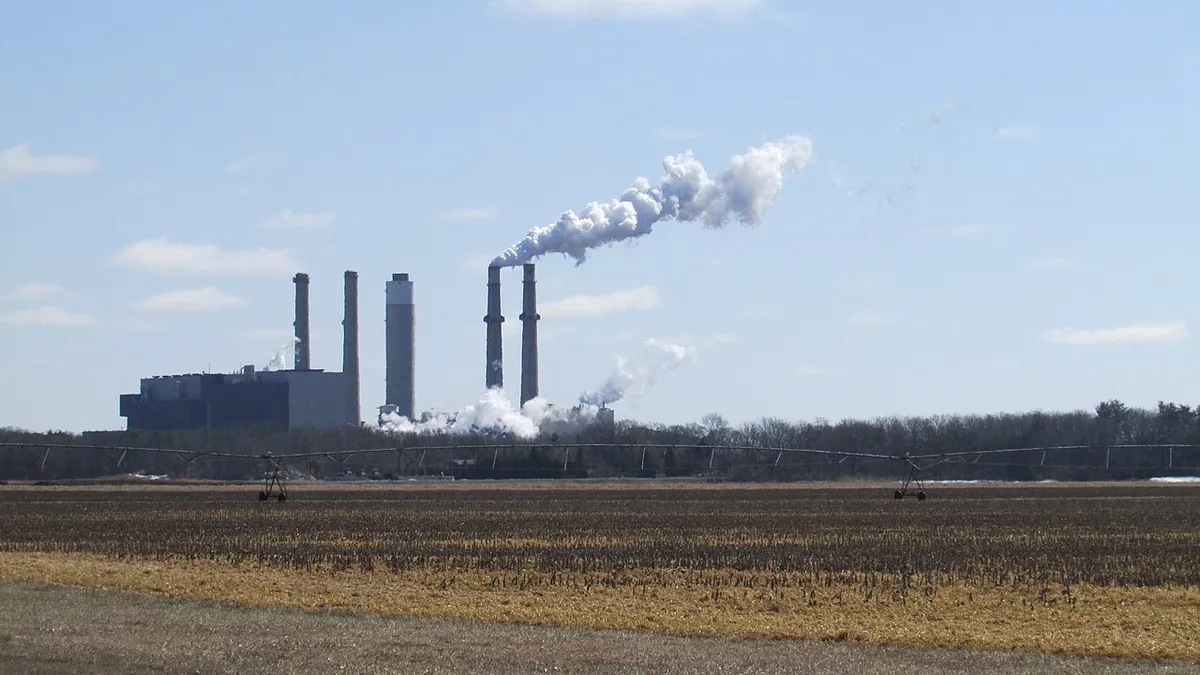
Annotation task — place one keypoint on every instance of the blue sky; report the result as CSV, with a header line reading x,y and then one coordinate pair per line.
x,y
166,167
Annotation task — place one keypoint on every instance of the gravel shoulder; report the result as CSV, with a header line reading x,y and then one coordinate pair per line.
x,y
57,629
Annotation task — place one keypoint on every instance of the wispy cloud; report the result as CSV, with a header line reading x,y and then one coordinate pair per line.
x,y
262,161
478,213
1054,263
1016,132
627,9
810,371
636,299
870,318
159,256
1138,333
299,220
196,300
17,161
49,316
35,292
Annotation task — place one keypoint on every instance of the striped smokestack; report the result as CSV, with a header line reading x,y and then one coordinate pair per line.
x,y
495,346
301,324
350,349
529,345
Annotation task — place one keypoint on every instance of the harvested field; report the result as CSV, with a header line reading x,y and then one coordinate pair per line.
x,y
1109,571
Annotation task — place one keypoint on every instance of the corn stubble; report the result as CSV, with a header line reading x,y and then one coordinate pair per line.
x,y
1105,571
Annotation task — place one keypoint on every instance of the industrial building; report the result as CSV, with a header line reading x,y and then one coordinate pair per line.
x,y
300,398
277,399
308,398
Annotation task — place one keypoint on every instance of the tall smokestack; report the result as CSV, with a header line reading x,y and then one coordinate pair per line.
x,y
350,348
400,351
495,347
529,346
301,324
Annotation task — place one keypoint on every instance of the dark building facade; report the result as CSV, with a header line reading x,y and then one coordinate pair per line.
x,y
280,400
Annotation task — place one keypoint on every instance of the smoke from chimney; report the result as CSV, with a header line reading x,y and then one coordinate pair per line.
x,y
302,344
745,191
495,345
636,372
350,368
529,344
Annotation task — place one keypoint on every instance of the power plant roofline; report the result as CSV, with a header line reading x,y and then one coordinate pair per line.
x,y
529,337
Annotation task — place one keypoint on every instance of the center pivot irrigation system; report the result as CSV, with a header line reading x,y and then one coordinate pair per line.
x,y
274,485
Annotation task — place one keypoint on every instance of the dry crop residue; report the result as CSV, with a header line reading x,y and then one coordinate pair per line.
x,y
1106,571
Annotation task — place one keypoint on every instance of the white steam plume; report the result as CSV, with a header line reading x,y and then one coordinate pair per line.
x,y
636,373
280,360
745,191
494,414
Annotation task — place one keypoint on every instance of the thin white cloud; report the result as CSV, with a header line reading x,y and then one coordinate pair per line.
x,y
1054,263
478,213
1138,333
810,371
253,163
636,299
35,292
196,300
18,161
627,9
1016,132
159,256
300,220
869,318
49,316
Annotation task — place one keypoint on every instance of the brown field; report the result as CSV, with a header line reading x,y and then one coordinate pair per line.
x,y
1108,570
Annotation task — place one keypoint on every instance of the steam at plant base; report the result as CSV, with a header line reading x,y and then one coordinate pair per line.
x,y
494,413
743,192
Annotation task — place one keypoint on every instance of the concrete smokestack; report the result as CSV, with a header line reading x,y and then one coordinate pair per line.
x,y
350,348
495,345
301,324
401,346
529,345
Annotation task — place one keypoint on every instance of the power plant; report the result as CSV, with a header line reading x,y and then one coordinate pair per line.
x,y
307,398
285,399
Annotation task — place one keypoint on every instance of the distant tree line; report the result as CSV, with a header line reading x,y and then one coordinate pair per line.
x,y
1112,423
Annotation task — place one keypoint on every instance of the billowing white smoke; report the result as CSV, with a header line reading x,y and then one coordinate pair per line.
x,y
634,374
280,360
745,191
494,414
